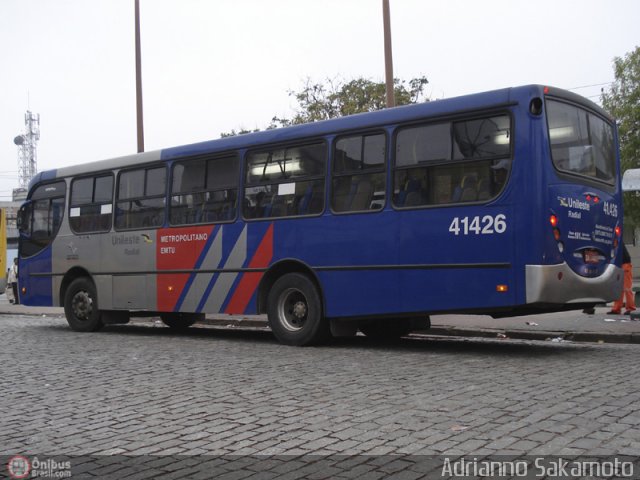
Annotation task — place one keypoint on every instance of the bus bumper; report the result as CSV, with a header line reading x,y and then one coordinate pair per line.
x,y
560,284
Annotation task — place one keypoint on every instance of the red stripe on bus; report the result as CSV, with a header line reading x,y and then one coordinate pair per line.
x,y
250,280
178,249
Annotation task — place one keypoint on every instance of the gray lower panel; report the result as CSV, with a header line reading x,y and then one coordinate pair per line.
x,y
130,292
546,285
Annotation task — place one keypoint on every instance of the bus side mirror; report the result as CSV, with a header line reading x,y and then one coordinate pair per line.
x,y
23,219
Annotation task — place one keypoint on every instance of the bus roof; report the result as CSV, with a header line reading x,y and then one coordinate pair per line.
x,y
361,121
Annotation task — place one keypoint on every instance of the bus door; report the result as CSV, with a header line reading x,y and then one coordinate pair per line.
x,y
139,213
39,220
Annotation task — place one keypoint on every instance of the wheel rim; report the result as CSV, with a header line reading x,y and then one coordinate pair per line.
x,y
293,309
82,305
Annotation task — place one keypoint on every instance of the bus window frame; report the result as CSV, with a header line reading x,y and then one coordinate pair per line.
x,y
325,141
94,176
384,170
207,158
452,119
116,200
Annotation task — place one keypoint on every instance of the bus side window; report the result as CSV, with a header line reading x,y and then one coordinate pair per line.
x,y
482,138
285,182
90,209
410,189
359,179
204,190
458,161
141,201
467,190
416,148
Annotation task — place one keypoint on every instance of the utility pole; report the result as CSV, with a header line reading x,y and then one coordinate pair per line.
x,y
139,118
388,59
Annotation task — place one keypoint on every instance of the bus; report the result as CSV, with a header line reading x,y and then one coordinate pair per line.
x,y
502,203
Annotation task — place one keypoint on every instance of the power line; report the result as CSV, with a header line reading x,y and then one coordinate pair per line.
x,y
590,86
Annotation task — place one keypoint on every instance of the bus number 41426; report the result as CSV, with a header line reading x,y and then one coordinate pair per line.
x,y
486,225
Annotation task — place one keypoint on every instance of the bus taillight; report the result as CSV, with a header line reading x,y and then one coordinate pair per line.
x,y
553,220
616,239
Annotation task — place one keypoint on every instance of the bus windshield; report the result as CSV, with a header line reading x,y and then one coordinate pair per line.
x,y
581,142
41,217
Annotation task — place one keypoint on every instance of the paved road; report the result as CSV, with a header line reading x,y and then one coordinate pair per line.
x,y
142,390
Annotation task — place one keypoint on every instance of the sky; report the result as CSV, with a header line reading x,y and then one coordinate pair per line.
x,y
210,66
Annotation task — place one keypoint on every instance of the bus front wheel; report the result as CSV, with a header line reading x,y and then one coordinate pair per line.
x,y
294,310
81,306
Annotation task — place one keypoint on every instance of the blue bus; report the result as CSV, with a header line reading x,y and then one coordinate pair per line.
x,y
502,203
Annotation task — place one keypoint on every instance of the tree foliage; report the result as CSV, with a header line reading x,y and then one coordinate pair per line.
x,y
623,102
336,98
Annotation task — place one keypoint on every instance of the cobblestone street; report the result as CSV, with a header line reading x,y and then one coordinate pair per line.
x,y
141,389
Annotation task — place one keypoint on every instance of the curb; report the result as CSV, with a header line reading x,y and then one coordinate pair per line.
x,y
540,335
450,331
438,330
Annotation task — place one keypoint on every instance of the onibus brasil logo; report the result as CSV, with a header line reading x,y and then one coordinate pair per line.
x,y
20,467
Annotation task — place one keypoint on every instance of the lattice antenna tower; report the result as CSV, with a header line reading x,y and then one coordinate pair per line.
x,y
28,149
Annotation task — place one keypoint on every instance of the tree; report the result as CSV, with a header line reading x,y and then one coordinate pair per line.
x,y
623,102
336,98
235,132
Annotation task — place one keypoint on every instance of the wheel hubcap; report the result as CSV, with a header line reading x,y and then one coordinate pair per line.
x,y
82,305
292,309
299,310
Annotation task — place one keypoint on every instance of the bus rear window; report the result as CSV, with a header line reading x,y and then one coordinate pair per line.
x,y
581,142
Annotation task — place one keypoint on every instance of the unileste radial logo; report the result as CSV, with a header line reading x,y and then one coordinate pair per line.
x,y
19,467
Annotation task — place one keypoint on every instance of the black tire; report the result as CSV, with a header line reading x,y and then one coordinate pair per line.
x,y
81,306
294,310
180,321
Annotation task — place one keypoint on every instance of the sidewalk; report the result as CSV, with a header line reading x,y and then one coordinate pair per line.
x,y
566,326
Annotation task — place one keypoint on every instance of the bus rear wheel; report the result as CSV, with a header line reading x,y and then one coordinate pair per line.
x,y
180,321
294,310
81,306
